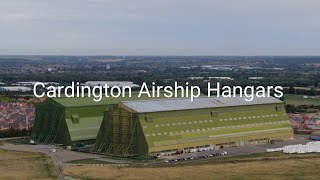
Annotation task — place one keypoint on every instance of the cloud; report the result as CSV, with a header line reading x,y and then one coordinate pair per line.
x,y
74,36
197,26
100,1
15,17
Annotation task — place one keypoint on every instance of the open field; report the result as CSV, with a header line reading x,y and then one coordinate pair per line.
x,y
299,100
89,161
256,166
25,165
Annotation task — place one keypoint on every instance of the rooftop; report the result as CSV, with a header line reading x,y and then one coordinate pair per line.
x,y
88,101
110,83
16,88
176,104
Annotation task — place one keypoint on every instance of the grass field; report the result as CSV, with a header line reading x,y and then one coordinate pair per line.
x,y
88,161
25,165
6,99
299,100
254,166
112,159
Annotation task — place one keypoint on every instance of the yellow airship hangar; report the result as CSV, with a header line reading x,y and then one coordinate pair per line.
x,y
148,127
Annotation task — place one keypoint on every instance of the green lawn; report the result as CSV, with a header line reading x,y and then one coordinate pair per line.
x,y
299,100
6,99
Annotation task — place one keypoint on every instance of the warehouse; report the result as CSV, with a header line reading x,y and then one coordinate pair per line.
x,y
69,121
169,125
16,89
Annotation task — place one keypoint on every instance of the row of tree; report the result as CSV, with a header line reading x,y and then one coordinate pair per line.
x,y
302,108
11,132
309,92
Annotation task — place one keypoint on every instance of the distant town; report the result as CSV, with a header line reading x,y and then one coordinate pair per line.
x,y
150,129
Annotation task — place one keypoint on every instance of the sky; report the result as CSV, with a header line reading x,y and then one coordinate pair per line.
x,y
160,27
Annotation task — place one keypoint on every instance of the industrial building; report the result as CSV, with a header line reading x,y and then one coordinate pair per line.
x,y
16,89
110,83
149,127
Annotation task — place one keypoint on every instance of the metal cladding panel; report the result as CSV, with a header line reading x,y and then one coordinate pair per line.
x,y
198,103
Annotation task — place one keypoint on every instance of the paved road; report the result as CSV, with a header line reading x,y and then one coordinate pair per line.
x,y
57,166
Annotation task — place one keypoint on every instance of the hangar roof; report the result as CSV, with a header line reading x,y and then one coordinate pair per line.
x,y
176,104
88,101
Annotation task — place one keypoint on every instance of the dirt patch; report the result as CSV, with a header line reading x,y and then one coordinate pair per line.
x,y
26,165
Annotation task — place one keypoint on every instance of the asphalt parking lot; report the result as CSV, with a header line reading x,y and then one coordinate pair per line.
x,y
248,149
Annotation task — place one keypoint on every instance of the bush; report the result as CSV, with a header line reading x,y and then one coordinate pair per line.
x,y
6,133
